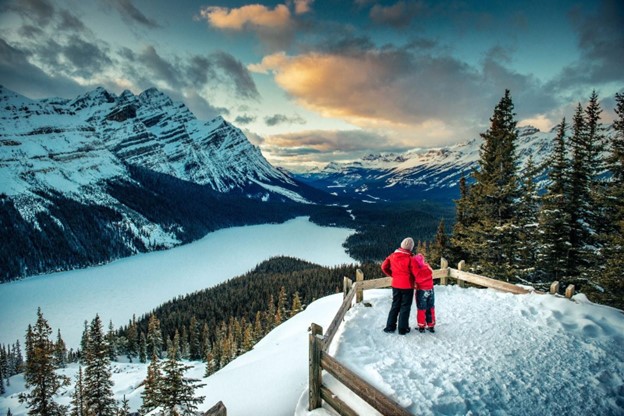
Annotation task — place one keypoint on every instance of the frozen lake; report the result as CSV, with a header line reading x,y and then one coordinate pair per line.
x,y
138,284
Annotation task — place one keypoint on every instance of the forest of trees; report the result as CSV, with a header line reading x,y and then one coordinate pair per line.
x,y
571,232
214,326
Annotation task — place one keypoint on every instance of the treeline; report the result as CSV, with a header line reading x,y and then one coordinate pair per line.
x,y
218,324
381,227
572,232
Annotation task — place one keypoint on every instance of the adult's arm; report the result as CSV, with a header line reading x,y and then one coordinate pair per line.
x,y
385,267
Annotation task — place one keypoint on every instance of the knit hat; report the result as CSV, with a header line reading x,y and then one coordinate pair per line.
x,y
407,244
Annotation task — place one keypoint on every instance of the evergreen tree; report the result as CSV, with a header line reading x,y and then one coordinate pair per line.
x,y
491,237
84,340
154,336
296,305
177,394
211,363
270,314
78,405
142,348
439,247
39,375
124,409
60,351
612,236
579,197
527,223
151,386
554,216
98,391
280,313
111,339
132,335
463,222
2,372
195,349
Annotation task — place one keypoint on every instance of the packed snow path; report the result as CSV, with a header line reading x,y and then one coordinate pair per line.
x,y
492,353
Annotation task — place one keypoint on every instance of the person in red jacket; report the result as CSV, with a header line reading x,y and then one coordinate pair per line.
x,y
425,300
402,267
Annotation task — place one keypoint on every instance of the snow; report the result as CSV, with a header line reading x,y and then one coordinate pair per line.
x,y
492,353
138,284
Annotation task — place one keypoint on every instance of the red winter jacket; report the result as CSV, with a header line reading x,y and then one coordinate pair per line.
x,y
401,266
424,277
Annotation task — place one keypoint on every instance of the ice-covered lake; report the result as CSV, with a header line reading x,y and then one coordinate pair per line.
x,y
138,284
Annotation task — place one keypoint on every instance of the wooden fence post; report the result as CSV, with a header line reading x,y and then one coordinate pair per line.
x,y
218,409
359,278
460,267
444,266
569,291
315,380
554,287
345,286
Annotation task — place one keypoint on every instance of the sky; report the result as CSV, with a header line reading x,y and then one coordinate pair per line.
x,y
314,81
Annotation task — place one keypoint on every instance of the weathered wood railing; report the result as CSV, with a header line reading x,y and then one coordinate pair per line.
x,y
319,358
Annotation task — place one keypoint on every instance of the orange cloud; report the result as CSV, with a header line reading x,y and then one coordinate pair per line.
x,y
303,6
253,15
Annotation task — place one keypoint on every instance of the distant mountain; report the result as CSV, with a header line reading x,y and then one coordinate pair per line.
x,y
432,173
101,176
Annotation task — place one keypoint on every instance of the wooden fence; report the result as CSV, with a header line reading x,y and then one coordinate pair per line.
x,y
320,360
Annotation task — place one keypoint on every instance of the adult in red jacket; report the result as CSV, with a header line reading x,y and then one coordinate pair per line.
x,y
401,266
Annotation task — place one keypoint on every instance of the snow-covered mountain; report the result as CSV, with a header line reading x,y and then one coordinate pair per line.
x,y
423,173
102,176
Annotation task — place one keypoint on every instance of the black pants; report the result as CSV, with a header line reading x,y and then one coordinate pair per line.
x,y
401,306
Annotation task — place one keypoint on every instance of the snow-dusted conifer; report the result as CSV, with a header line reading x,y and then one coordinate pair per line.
x,y
177,394
98,385
40,376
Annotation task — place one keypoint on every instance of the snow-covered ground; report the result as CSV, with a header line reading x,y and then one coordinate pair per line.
x,y
492,353
138,284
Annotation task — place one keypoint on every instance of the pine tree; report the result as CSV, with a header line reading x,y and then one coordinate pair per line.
x,y
151,386
39,374
98,392
554,216
463,222
132,349
78,405
124,409
280,313
579,197
111,339
142,348
527,223
60,351
439,247
490,236
211,364
270,314
84,340
612,236
154,337
2,371
195,352
296,305
177,394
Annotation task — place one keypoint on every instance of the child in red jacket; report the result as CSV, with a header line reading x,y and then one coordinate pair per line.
x,y
425,300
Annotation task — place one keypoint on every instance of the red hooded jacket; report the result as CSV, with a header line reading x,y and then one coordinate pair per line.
x,y
424,277
402,267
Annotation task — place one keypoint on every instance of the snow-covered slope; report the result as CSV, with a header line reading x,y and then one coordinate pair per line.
x,y
492,353
431,173
101,176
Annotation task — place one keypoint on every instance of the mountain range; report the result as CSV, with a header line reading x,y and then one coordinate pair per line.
x,y
427,173
87,180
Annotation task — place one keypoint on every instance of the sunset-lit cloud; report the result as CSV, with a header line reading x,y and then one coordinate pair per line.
x,y
250,16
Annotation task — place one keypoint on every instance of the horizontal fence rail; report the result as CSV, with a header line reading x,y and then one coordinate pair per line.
x,y
320,360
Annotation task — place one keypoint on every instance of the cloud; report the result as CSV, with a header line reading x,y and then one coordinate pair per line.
x,y
238,74
253,16
86,57
244,119
601,45
276,119
303,6
130,13
403,89
69,22
39,11
399,15
160,67
18,74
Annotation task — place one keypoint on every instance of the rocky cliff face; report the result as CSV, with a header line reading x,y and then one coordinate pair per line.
x,y
102,176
